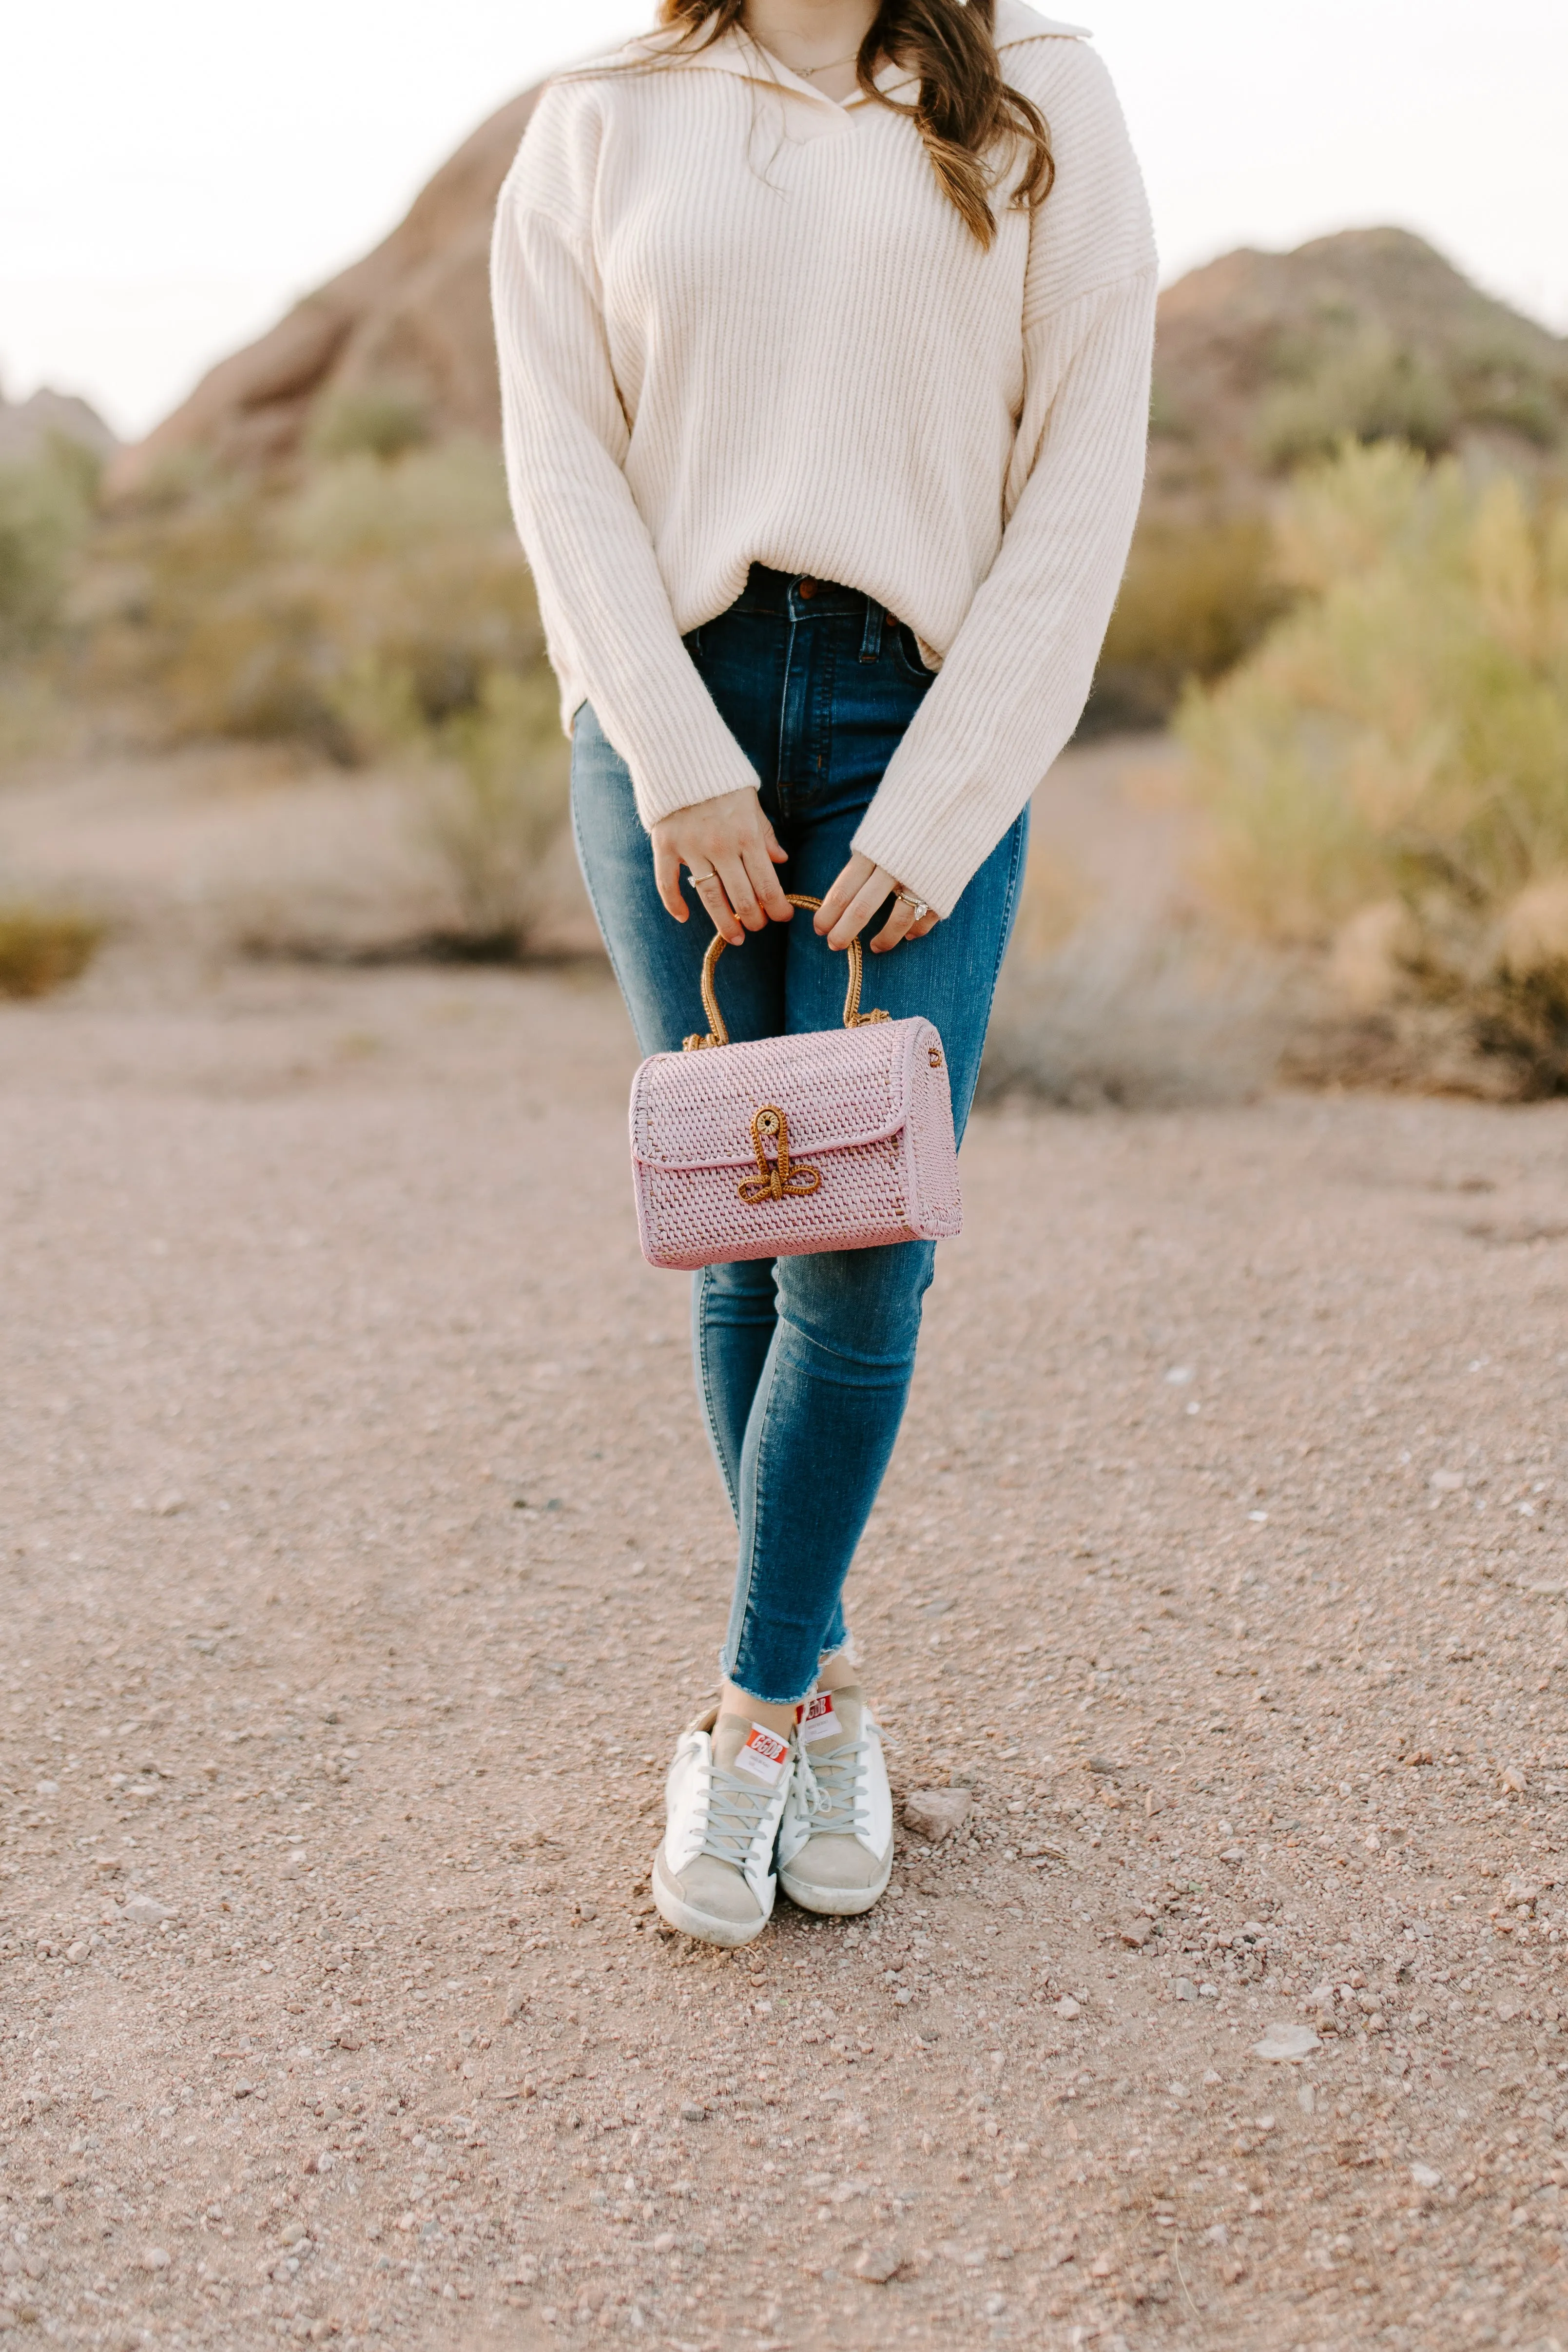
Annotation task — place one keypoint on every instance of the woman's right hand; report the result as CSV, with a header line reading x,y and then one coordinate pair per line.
x,y
731,850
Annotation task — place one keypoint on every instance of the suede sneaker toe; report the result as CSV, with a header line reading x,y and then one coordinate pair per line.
x,y
835,1842
713,1876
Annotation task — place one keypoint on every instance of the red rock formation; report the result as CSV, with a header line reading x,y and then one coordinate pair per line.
x,y
415,314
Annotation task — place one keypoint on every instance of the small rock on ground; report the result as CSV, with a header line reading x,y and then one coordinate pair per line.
x,y
935,1813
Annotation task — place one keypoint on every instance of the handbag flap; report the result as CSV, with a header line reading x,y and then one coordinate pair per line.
x,y
837,1089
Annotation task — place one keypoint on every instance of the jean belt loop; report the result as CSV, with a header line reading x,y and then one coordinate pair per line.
x,y
871,643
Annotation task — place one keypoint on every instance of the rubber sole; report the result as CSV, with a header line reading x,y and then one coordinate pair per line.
x,y
835,1902
729,1933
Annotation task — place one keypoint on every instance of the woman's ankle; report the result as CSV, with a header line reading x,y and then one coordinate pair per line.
x,y
840,1671
733,1701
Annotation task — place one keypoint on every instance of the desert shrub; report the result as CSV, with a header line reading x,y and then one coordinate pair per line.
x,y
185,622
46,507
1373,389
1497,384
362,507
497,806
42,949
240,611
1521,1019
1400,741
1196,598
374,608
382,421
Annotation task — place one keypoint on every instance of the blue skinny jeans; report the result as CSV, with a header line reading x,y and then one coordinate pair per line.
x,y
803,1364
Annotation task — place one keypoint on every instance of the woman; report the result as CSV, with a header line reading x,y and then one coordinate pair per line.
x,y
824,333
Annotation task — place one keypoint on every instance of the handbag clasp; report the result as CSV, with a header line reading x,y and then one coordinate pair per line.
x,y
775,1177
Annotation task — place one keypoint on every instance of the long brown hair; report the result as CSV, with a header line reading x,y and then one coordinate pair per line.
x,y
965,111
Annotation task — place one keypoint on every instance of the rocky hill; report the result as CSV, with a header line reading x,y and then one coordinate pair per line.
x,y
28,426
1266,359
411,319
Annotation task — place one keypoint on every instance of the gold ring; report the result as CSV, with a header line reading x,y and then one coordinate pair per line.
x,y
907,899
700,879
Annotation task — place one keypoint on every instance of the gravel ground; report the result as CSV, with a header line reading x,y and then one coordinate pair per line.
x,y
362,1558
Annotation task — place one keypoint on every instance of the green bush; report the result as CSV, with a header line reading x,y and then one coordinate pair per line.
x,y
1196,598
383,421
496,807
1400,740
247,611
1373,390
1501,380
46,507
362,507
378,608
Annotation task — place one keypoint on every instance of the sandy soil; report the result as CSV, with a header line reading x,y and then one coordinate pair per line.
x,y
362,1557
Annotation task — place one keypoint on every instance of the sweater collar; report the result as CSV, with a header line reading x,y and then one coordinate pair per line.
x,y
735,52
1016,23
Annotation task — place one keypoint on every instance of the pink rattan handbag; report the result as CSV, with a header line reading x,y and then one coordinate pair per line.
x,y
841,1138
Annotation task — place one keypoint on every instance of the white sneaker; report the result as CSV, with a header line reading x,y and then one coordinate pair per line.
x,y
725,1793
835,1842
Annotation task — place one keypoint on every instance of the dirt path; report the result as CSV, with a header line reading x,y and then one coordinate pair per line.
x,y
348,1462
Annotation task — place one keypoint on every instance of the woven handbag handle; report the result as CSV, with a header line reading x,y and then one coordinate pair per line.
x,y
718,1035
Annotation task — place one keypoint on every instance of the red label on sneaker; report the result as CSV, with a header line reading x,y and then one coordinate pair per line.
x,y
763,1755
818,1721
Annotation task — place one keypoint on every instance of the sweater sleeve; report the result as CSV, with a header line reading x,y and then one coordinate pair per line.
x,y
1013,684
606,612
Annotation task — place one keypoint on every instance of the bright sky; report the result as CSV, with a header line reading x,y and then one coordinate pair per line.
x,y
172,175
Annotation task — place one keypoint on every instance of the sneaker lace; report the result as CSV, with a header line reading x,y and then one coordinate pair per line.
x,y
835,1790
736,1809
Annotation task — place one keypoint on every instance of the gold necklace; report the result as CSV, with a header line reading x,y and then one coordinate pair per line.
x,y
807,72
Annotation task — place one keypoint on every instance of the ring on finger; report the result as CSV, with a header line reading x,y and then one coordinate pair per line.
x,y
700,879
907,899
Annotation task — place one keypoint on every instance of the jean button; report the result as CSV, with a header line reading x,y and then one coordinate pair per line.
x,y
805,588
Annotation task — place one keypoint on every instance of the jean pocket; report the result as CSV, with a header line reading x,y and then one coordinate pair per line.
x,y
906,653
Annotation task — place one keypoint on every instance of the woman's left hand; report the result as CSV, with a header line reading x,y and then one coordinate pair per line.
x,y
860,888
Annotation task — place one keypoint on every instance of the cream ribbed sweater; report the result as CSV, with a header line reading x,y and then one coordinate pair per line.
x,y
740,323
